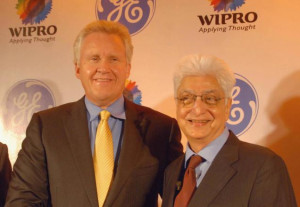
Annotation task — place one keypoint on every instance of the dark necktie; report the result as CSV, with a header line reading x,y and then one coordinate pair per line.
x,y
189,183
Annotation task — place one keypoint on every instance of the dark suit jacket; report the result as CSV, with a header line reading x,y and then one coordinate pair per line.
x,y
5,172
55,167
242,174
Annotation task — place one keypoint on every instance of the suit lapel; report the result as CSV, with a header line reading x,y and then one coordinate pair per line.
x,y
219,173
79,142
135,127
171,178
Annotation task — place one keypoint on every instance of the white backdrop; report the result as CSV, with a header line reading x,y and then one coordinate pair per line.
x,y
267,55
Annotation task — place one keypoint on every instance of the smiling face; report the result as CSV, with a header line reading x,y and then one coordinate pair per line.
x,y
103,68
201,123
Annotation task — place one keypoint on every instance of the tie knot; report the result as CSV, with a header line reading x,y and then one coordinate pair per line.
x,y
195,161
104,115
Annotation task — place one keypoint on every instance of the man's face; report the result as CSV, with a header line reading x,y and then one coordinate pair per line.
x,y
201,122
103,68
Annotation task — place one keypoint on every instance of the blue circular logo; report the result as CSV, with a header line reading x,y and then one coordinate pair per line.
x,y
22,100
135,15
244,107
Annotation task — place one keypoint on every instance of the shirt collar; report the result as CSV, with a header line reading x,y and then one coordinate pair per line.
x,y
116,109
211,150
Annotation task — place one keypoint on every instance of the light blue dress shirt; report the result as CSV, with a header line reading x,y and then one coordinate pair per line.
x,y
208,153
115,122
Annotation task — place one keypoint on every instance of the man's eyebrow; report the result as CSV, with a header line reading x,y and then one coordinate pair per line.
x,y
203,92
210,91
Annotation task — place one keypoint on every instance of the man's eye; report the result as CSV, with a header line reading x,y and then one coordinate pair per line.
x,y
183,98
114,59
186,99
94,59
210,99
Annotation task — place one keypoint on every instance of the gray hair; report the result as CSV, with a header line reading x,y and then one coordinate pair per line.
x,y
108,27
198,65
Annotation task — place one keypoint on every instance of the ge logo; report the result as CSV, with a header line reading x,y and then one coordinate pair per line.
x,y
244,107
22,100
134,14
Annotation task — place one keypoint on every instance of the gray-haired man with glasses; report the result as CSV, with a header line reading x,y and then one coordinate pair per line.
x,y
218,169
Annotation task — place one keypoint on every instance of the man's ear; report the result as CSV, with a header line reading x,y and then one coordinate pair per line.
x,y
228,107
77,70
128,68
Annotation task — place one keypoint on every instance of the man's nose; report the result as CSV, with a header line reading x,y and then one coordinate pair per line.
x,y
103,66
199,106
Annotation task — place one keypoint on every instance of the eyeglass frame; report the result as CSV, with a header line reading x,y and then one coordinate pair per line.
x,y
194,98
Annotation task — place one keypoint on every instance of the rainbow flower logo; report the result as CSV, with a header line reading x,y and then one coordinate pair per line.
x,y
226,5
132,92
33,11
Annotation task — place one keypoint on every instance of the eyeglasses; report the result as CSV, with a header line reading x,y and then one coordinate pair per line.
x,y
188,100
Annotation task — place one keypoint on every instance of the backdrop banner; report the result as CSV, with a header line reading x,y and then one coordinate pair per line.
x,y
258,39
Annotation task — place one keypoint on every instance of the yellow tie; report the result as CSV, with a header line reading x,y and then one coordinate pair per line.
x,y
103,158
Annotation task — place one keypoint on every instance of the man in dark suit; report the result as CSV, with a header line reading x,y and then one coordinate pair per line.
x,y
55,166
5,172
218,169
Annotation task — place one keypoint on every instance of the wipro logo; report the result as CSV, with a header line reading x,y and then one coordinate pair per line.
x,y
225,18
226,5
33,11
132,93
